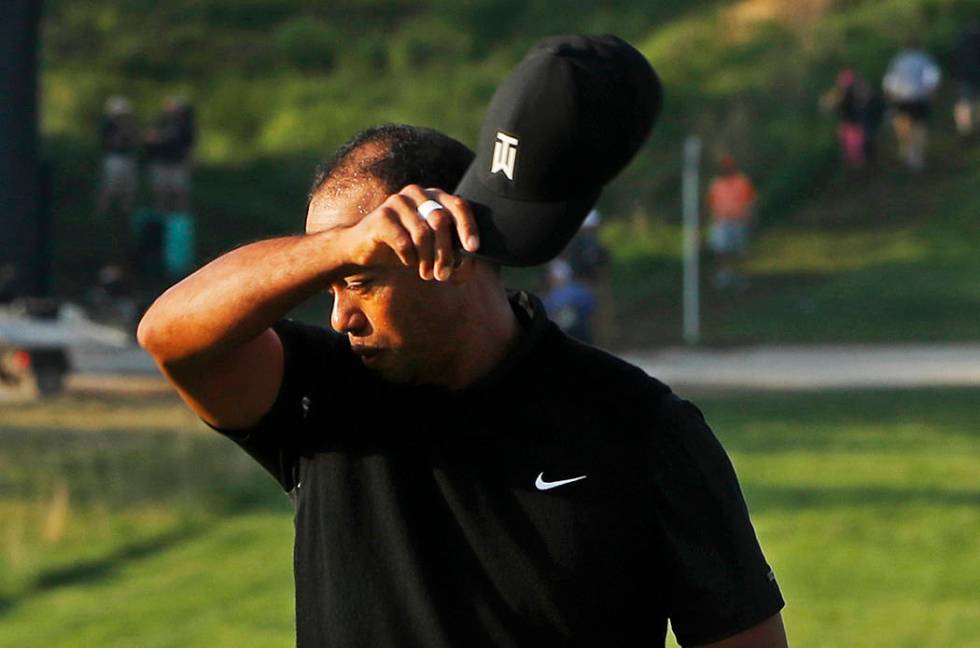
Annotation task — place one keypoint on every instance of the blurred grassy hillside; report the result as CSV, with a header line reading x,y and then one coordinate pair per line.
x,y
279,83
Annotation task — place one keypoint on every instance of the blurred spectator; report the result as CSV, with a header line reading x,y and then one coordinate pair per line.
x,y
731,203
168,143
589,261
568,302
119,135
585,254
147,254
859,110
966,69
910,81
871,118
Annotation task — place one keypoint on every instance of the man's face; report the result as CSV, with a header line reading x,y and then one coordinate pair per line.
x,y
397,323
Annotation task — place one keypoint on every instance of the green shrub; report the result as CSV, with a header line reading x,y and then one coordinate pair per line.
x,y
425,42
307,43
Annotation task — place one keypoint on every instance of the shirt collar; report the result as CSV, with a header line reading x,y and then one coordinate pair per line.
x,y
534,325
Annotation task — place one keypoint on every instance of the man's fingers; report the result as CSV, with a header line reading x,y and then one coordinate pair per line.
x,y
442,224
462,214
459,209
398,238
434,220
423,238
406,206
443,227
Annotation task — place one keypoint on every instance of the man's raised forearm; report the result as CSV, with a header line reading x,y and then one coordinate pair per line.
x,y
238,296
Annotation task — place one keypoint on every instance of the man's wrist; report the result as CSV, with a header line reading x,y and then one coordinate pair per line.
x,y
334,248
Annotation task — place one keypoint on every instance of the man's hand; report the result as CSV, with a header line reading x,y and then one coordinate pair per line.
x,y
210,334
396,232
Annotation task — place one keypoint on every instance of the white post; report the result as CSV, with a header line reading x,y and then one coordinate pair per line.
x,y
692,316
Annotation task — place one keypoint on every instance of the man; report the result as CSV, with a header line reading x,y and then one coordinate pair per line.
x,y
166,236
168,144
966,71
119,135
731,203
456,481
590,263
850,98
569,302
910,82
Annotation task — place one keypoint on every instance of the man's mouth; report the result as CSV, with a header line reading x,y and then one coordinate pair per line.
x,y
366,352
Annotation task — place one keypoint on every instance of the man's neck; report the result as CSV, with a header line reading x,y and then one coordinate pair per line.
x,y
488,334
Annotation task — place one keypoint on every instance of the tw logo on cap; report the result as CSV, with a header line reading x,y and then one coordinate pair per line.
x,y
504,155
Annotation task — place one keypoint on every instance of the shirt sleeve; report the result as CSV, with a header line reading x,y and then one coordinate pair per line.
x,y
276,441
717,581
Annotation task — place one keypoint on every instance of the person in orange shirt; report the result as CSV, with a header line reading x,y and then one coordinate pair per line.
x,y
731,203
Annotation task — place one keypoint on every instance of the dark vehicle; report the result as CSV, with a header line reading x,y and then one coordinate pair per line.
x,y
46,367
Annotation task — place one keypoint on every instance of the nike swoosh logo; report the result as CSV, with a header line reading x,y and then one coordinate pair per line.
x,y
546,485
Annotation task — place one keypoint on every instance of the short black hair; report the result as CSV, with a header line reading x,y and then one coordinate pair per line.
x,y
396,155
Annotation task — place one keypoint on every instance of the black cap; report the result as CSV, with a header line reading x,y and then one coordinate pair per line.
x,y
564,123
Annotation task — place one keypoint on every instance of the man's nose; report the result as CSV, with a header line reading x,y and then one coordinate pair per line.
x,y
345,317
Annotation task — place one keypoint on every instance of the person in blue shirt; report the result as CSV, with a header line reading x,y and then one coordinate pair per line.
x,y
569,302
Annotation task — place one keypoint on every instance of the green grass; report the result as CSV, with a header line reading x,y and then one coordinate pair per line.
x,y
864,501
867,505
228,584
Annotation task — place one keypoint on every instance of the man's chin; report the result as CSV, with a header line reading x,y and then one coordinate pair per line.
x,y
385,364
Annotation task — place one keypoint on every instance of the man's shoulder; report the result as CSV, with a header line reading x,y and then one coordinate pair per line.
x,y
310,349
619,400
308,335
576,363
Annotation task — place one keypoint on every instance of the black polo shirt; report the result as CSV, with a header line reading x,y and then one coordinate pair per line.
x,y
566,499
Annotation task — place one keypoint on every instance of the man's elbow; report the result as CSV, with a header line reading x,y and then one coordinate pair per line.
x,y
146,334
152,336
768,634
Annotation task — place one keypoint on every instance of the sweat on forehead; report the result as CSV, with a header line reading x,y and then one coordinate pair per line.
x,y
343,203
353,173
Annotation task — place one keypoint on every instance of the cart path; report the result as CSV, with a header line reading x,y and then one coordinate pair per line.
x,y
748,368
814,367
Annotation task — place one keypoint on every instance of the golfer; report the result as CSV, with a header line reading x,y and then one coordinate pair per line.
x,y
463,473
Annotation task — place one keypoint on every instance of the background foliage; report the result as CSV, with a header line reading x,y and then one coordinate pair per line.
x,y
279,83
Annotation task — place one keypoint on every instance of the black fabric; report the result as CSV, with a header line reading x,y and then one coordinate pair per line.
x,y
568,118
176,136
419,522
916,110
119,135
966,57
850,107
